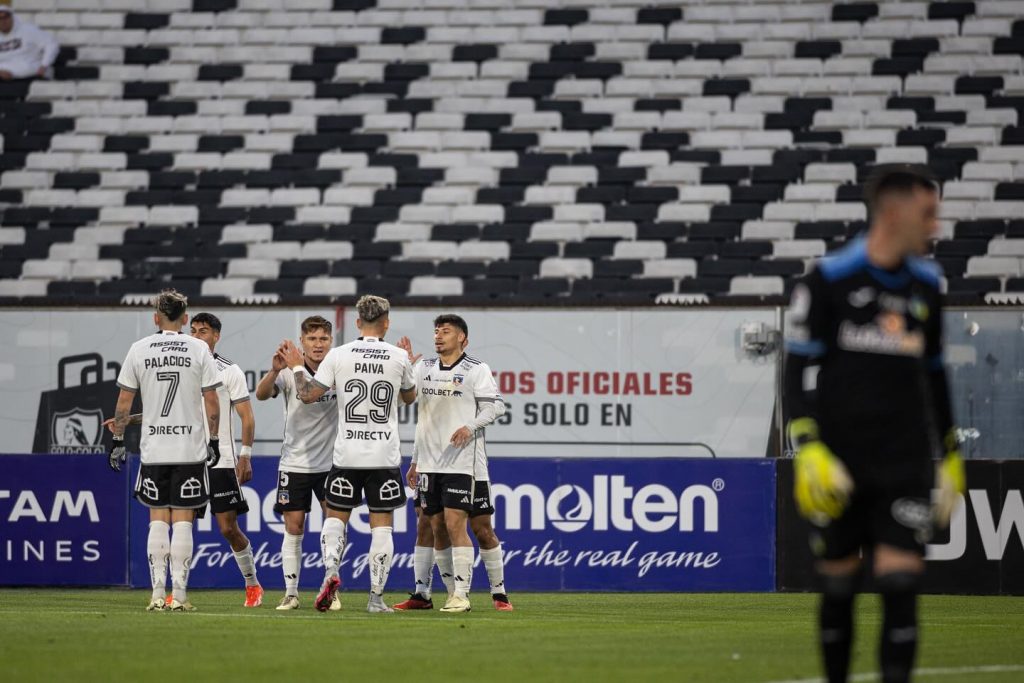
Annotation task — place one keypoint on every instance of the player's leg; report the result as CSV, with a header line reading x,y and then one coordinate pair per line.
x,y
839,582
457,497
158,553
190,488
333,538
241,548
294,498
490,547
491,556
152,489
227,502
837,546
181,558
385,493
897,575
291,556
423,564
382,551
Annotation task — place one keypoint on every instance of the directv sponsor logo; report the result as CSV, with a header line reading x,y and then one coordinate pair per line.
x,y
608,504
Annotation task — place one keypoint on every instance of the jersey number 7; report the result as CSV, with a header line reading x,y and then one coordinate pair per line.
x,y
173,378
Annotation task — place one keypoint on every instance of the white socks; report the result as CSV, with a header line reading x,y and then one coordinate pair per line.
x,y
423,567
332,545
181,559
444,565
382,549
495,569
291,560
247,565
462,563
158,548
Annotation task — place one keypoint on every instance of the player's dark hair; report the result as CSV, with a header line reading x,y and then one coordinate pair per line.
x,y
207,319
171,304
316,322
902,179
453,320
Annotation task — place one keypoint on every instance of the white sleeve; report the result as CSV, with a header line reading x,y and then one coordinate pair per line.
x,y
128,378
489,403
49,45
238,390
208,369
325,373
409,374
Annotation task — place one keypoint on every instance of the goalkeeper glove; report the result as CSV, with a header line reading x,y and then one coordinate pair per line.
x,y
213,453
950,480
118,454
822,485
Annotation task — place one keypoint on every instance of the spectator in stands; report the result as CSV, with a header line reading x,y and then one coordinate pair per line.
x,y
26,51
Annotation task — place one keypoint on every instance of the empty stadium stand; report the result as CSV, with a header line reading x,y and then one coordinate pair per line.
x,y
520,151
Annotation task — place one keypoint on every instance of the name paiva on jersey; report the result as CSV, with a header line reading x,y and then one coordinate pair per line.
x,y
371,368
168,361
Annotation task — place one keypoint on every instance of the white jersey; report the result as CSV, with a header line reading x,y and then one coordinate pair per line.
x,y
309,429
232,391
449,399
170,371
368,375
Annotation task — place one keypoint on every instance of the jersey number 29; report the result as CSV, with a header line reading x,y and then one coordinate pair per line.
x,y
381,395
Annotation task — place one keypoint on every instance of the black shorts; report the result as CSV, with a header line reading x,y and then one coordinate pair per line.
x,y
383,488
225,492
889,506
184,487
439,491
482,504
295,490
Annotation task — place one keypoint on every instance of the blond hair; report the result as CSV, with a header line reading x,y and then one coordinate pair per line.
x,y
171,304
372,308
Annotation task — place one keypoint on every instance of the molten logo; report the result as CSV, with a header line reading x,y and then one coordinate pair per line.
x,y
608,504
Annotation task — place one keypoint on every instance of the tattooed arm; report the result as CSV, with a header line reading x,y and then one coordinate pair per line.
x,y
122,413
212,412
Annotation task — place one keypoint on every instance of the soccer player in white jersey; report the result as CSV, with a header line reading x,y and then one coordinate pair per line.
x,y
307,448
226,499
371,377
175,376
458,400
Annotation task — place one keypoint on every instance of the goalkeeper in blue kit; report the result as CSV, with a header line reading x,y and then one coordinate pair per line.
x,y
869,317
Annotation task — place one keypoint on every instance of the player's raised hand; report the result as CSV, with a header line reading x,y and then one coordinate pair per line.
x,y
461,437
406,346
291,353
118,454
277,361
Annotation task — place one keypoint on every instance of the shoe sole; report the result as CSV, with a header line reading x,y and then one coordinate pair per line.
x,y
379,609
282,608
504,607
326,597
410,609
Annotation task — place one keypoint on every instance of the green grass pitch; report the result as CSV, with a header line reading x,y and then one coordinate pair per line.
x,y
105,635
